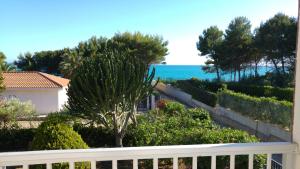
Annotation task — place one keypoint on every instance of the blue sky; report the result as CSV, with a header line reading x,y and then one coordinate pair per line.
x,y
35,25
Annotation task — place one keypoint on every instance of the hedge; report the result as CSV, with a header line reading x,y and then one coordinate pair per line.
x,y
259,108
15,139
197,93
286,94
212,86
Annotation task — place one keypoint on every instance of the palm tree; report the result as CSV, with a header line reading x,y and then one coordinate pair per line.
x,y
6,67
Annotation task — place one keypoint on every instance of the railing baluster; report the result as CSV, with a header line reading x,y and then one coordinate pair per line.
x,y
250,162
49,166
213,162
71,165
232,161
175,163
25,166
269,158
135,164
93,164
114,164
155,163
195,162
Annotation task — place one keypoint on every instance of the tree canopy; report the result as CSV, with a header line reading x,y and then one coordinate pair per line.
x,y
239,49
107,88
277,41
150,48
44,61
209,45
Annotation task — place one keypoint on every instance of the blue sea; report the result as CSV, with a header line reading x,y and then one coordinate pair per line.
x,y
181,72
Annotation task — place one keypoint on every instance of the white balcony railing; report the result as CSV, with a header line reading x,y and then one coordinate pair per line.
x,y
155,153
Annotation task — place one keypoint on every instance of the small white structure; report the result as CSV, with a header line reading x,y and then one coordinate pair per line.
x,y
46,92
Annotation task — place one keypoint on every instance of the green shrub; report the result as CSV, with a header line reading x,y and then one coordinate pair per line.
x,y
197,93
194,126
15,139
53,136
264,109
12,110
173,107
212,86
286,94
199,113
56,136
61,117
96,136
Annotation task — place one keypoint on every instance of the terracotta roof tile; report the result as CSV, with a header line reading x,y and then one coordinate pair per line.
x,y
33,80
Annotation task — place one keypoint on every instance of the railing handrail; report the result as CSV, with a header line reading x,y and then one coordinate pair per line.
x,y
29,157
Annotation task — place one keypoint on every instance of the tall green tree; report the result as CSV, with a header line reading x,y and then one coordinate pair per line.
x,y
277,40
107,88
74,58
209,45
44,61
237,42
26,62
149,48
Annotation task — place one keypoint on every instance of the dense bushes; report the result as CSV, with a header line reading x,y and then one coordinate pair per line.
x,y
192,126
212,86
172,124
52,134
197,93
286,94
265,109
13,109
15,139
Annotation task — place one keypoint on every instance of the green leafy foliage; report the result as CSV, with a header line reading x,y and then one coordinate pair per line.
x,y
13,109
211,86
197,93
191,126
277,41
173,108
209,45
264,109
286,94
15,139
160,127
56,136
44,61
97,136
107,88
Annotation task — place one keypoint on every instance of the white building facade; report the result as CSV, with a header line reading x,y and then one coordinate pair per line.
x,y
47,93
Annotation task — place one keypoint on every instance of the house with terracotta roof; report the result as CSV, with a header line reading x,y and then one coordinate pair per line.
x,y
46,92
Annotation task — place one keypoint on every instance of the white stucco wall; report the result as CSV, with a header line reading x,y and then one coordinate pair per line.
x,y
62,97
45,100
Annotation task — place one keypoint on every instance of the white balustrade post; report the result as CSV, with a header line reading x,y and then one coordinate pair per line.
x,y
250,162
232,161
93,164
49,166
296,113
114,164
71,165
135,164
175,163
213,162
195,162
25,166
155,163
269,160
